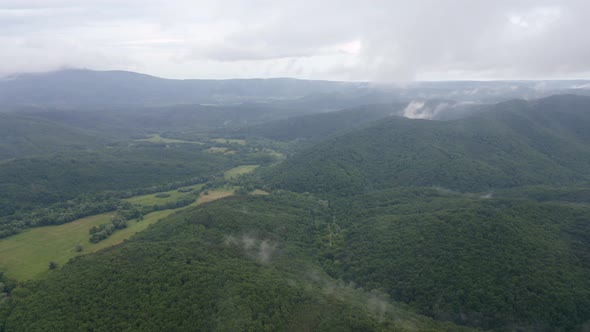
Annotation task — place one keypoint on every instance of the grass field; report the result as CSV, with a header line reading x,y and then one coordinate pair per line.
x,y
259,192
274,153
219,150
229,141
213,195
27,255
152,199
159,139
237,171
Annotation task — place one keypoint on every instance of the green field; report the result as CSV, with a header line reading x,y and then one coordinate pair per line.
x,y
237,171
152,199
216,149
27,255
159,139
229,141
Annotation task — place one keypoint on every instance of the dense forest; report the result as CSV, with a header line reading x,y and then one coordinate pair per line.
x,y
204,270
333,219
512,145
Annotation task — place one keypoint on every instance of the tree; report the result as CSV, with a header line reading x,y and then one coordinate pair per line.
x,y
52,265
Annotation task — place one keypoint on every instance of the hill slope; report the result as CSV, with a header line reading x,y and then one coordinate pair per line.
x,y
318,126
515,143
96,89
241,264
23,135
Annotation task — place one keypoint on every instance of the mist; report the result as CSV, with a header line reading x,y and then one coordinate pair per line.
x,y
340,40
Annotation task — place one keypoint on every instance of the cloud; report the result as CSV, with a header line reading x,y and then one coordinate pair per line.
x,y
379,40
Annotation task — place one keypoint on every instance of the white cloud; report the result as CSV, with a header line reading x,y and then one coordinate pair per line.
x,y
383,40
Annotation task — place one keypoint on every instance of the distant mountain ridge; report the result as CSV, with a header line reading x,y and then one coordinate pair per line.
x,y
87,88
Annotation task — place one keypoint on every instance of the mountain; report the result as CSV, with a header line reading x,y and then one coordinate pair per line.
x,y
514,143
319,126
203,270
22,135
77,88
380,222
482,221
491,262
88,89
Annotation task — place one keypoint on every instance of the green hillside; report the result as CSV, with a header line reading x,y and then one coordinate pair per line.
x,y
240,264
514,144
23,135
491,263
318,126
396,225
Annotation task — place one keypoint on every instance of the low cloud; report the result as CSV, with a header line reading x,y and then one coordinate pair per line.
x,y
379,40
260,249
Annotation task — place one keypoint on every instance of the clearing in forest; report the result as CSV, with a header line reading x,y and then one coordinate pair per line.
x,y
26,255
240,170
159,139
164,197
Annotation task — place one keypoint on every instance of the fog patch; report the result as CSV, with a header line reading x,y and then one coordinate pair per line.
x,y
429,110
261,250
585,86
414,110
377,303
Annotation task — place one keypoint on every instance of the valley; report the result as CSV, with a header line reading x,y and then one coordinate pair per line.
x,y
293,214
26,256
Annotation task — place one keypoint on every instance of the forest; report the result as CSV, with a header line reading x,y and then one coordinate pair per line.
x,y
275,216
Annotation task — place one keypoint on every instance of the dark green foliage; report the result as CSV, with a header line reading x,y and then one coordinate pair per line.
x,y
514,144
52,265
83,206
484,262
317,126
203,270
38,181
23,136
508,249
103,231
61,188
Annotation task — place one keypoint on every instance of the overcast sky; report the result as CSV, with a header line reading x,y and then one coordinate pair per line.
x,y
373,40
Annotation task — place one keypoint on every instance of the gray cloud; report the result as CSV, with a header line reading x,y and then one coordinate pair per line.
x,y
382,40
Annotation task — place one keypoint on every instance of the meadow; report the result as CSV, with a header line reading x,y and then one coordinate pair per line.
x,y
158,198
159,139
229,141
240,170
27,255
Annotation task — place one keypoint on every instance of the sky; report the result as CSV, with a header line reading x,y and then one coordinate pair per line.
x,y
371,40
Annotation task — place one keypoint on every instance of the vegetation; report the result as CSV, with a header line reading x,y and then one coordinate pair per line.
x,y
25,256
250,275
509,146
240,170
399,225
159,139
323,125
22,136
61,188
484,262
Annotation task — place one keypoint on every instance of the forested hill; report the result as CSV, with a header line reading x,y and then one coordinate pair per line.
x,y
318,126
244,264
95,89
24,135
515,143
